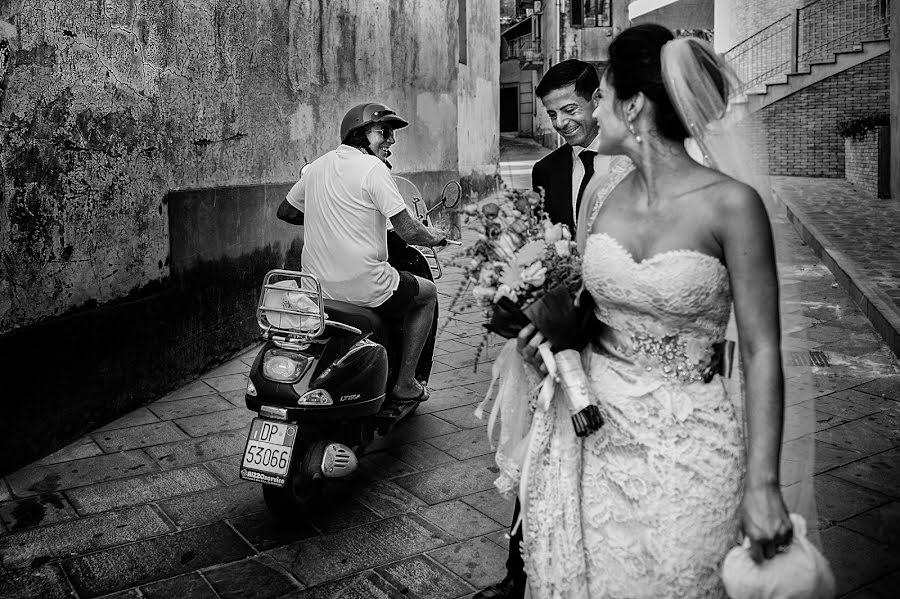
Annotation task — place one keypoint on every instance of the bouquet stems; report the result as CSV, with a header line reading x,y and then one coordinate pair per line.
x,y
565,367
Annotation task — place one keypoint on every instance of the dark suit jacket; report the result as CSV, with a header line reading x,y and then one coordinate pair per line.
x,y
553,173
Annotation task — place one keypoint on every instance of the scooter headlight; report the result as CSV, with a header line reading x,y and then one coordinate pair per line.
x,y
284,367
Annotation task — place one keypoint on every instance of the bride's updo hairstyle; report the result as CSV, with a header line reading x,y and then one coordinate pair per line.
x,y
635,66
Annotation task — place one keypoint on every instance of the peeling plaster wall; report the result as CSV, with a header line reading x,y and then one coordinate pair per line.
x,y
479,92
106,105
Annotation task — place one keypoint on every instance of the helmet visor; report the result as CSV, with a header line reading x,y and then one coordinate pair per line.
x,y
388,116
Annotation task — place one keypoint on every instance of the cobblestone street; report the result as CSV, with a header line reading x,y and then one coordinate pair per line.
x,y
151,505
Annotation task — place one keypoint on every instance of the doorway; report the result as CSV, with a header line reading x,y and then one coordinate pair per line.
x,y
509,109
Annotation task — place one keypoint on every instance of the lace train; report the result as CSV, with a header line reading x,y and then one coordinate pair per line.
x,y
647,506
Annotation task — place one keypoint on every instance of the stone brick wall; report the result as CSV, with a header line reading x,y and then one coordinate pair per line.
x,y
861,162
801,129
863,166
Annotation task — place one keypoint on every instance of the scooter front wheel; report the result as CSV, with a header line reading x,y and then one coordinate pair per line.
x,y
297,498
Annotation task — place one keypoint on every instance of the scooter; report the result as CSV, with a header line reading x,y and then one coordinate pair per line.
x,y
319,382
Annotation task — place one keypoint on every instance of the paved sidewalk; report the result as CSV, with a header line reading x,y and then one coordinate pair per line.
x,y
857,236
150,505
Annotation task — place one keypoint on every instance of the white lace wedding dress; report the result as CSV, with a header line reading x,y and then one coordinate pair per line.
x,y
646,507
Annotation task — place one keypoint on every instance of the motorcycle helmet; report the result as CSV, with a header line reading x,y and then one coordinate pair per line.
x,y
369,112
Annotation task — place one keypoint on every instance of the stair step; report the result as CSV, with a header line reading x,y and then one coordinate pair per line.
x,y
806,69
821,62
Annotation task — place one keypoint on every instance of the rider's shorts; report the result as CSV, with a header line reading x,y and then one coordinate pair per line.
x,y
402,299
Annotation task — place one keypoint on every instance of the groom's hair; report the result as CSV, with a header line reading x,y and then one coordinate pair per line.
x,y
570,72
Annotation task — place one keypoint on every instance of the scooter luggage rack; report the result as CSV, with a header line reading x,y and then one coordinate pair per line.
x,y
288,295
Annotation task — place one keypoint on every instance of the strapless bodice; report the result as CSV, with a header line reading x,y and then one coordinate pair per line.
x,y
664,313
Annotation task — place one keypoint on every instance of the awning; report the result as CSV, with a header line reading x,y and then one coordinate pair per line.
x,y
517,29
674,14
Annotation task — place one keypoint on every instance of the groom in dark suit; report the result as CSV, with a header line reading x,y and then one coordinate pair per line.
x,y
565,91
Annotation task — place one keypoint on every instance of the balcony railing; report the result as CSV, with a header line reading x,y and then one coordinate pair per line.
x,y
806,35
531,56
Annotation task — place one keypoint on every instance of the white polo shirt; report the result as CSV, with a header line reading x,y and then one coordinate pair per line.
x,y
347,197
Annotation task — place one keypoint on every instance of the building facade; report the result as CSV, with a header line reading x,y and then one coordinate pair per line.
x,y
547,33
807,66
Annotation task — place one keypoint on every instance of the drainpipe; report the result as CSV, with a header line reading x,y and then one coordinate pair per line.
x,y
559,34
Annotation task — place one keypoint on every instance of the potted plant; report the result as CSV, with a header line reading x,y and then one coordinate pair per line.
x,y
867,149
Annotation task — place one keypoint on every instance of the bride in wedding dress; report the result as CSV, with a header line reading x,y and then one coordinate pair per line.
x,y
648,506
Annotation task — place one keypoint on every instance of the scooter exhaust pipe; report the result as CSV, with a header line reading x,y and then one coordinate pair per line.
x,y
330,460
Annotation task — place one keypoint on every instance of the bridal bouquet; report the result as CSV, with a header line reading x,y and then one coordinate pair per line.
x,y
524,269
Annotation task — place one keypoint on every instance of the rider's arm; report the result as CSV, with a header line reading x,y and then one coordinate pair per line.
x,y
293,205
412,231
380,187
289,214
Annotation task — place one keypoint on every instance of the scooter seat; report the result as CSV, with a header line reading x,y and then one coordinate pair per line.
x,y
364,319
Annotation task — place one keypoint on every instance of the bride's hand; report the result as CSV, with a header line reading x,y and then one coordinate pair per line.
x,y
765,521
527,343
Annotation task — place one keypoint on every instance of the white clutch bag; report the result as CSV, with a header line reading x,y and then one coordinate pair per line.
x,y
798,572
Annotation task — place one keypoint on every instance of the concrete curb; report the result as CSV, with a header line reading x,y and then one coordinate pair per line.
x,y
873,302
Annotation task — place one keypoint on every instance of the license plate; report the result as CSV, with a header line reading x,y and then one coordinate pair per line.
x,y
267,455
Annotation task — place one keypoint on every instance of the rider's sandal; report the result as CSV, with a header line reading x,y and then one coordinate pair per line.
x,y
423,396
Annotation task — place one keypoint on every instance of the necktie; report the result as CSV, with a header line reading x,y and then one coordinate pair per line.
x,y
587,159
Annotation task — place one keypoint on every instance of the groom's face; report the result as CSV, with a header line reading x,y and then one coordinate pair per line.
x,y
571,115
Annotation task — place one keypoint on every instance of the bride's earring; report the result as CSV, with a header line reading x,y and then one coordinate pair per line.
x,y
633,132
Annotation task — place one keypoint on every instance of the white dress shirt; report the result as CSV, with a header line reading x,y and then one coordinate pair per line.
x,y
601,168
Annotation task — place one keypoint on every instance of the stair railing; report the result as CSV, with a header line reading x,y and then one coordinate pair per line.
x,y
808,34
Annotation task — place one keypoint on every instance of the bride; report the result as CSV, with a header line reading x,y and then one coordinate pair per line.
x,y
649,505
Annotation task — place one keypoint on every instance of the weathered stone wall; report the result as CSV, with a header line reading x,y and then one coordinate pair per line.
x,y
105,105
479,96
144,148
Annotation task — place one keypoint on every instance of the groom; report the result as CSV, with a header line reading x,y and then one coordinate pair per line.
x,y
563,175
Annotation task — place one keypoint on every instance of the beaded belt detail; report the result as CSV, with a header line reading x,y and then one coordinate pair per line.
x,y
669,354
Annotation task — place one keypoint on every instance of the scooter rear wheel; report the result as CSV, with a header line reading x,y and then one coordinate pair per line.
x,y
297,498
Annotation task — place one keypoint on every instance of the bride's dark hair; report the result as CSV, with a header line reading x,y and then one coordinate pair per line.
x,y
635,66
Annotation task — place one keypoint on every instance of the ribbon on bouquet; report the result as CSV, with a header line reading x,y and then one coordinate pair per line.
x,y
518,430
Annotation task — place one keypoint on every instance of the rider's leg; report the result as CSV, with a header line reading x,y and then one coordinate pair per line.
x,y
417,324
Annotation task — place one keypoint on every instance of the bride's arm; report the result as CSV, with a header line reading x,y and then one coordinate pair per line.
x,y
746,238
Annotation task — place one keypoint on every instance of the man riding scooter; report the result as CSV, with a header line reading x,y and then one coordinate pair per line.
x,y
345,199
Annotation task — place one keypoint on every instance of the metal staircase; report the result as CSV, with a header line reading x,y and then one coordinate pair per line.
x,y
808,45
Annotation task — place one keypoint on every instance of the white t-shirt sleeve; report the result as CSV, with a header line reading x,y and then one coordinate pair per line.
x,y
296,197
379,186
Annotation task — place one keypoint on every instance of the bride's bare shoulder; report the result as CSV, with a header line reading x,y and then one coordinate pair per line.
x,y
728,192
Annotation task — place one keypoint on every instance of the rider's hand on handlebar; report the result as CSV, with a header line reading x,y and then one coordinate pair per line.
x,y
439,235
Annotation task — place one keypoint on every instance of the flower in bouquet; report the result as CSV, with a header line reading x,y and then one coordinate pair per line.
x,y
518,256
525,269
